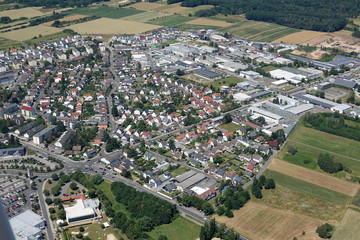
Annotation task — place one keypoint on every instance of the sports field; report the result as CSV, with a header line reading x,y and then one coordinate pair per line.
x,y
299,37
258,31
112,26
209,22
22,12
349,226
257,221
30,32
171,21
145,16
313,177
310,189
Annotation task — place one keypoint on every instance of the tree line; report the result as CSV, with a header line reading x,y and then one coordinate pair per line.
x,y
55,3
318,15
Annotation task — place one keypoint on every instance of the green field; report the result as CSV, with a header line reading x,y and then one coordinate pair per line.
x,y
308,188
223,82
316,142
193,10
105,11
171,21
258,31
179,229
231,127
349,226
145,16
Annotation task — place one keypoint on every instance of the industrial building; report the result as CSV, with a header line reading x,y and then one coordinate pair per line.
x,y
83,210
206,74
44,134
180,49
323,102
345,83
27,226
189,179
295,75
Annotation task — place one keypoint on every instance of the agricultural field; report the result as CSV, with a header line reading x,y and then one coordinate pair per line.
x,y
171,9
257,221
105,11
30,32
171,21
356,200
209,22
22,12
313,177
349,226
299,37
68,18
258,31
146,6
193,10
112,26
145,16
310,189
179,229
285,198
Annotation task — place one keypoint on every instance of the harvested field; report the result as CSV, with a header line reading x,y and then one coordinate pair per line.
x,y
22,12
300,37
112,26
146,6
349,226
106,12
69,18
30,32
314,177
257,221
171,9
209,22
145,16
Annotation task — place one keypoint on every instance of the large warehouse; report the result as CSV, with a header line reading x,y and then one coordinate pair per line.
x,y
82,210
27,225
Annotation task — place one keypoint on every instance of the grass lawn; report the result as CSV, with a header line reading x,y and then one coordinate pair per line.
x,y
171,21
223,82
328,142
269,68
231,127
347,228
179,229
308,188
30,152
105,11
180,170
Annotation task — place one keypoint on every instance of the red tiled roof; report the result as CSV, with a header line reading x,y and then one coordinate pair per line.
x,y
26,108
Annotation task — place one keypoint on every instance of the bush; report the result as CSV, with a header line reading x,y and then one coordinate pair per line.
x,y
81,229
292,149
79,236
307,161
52,210
324,231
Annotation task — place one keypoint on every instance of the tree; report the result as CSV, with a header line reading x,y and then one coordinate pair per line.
x,y
48,201
52,210
46,193
73,186
114,111
227,118
207,208
262,180
97,179
79,236
220,210
292,149
62,214
269,184
81,229
171,143
55,177
146,224
162,237
324,231
328,164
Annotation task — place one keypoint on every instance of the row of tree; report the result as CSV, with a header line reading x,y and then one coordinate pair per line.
x,y
258,185
212,230
318,15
